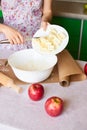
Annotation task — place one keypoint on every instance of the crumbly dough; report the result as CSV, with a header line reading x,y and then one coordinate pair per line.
x,y
50,42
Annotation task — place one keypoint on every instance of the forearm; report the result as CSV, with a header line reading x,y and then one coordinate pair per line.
x,y
1,27
47,10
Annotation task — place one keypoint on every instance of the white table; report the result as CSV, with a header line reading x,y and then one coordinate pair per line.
x,y
18,112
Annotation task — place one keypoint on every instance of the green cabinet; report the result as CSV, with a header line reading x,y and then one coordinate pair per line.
x,y
0,13
73,27
83,52
1,17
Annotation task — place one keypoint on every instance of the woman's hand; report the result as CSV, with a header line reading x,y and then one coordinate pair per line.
x,y
46,18
13,36
44,25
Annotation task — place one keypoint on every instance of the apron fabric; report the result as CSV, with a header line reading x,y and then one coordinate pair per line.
x,y
23,15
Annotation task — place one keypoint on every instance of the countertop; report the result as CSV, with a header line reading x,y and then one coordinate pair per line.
x,y
18,112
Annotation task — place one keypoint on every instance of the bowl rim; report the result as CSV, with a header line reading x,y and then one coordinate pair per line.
x,y
39,70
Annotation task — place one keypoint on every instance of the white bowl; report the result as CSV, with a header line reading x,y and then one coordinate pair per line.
x,y
46,48
30,66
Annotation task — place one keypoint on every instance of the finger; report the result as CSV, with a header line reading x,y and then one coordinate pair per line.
x,y
44,25
17,40
13,41
20,39
10,39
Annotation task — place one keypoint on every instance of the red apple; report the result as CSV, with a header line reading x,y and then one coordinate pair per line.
x,y
85,68
54,106
36,91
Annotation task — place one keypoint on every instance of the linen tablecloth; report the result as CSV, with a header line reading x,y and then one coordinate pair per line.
x,y
19,111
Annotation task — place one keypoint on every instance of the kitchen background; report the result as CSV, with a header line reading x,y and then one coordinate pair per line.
x,y
72,15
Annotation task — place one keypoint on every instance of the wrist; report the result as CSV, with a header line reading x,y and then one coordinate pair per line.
x,y
47,16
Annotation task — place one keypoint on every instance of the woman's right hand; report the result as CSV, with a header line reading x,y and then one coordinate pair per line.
x,y
13,36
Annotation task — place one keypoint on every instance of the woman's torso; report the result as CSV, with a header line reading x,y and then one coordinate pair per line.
x,y
24,15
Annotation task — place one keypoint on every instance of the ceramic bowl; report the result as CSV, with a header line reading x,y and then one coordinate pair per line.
x,y
30,66
52,41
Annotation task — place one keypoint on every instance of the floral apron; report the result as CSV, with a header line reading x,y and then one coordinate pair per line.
x,y
23,15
